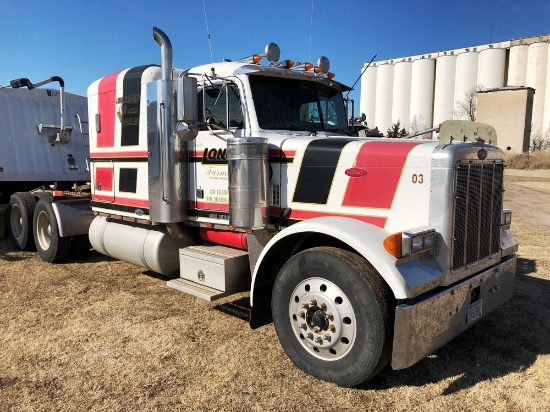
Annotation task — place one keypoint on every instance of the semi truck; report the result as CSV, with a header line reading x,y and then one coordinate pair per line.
x,y
239,176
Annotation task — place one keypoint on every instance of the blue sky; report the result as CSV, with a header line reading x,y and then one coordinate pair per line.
x,y
82,41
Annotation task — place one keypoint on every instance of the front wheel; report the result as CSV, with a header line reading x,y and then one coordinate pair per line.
x,y
333,315
50,245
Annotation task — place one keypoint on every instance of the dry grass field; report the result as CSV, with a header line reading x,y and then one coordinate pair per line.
x,y
104,335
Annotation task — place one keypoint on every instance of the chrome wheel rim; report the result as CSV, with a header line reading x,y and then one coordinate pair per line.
x,y
43,230
323,319
16,221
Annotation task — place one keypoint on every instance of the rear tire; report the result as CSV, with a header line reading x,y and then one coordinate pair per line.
x,y
50,245
21,217
333,315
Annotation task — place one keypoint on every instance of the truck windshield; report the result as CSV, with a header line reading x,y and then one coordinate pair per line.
x,y
290,104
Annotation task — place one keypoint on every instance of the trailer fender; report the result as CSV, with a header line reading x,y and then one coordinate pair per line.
x,y
73,216
364,238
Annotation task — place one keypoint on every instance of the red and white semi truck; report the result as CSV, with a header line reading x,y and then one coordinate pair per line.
x,y
240,176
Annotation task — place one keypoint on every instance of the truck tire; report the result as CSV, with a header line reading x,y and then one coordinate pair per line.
x,y
50,245
333,315
22,208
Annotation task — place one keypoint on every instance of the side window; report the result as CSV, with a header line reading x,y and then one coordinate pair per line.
x,y
220,105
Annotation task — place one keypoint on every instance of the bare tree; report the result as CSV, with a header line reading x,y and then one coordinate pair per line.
x,y
540,141
417,125
468,106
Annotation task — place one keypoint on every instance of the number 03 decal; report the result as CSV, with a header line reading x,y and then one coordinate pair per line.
x,y
418,178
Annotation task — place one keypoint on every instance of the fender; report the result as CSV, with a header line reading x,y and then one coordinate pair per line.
x,y
73,216
364,238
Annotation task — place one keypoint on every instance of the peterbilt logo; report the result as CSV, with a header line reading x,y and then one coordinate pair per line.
x,y
482,154
356,172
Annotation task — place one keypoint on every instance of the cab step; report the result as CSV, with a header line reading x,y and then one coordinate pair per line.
x,y
195,289
212,271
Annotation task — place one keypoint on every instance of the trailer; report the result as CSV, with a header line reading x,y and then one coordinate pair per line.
x,y
44,169
240,176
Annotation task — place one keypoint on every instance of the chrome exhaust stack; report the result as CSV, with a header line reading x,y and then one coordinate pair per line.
x,y
165,53
168,179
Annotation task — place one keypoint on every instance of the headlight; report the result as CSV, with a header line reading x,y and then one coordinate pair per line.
x,y
506,219
408,243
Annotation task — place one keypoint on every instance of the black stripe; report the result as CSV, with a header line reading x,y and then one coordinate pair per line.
x,y
131,98
317,170
121,208
208,213
282,160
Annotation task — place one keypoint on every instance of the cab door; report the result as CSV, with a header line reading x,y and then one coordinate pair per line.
x,y
221,117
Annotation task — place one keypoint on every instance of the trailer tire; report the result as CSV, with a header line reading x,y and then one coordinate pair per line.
x,y
333,314
80,246
50,245
21,216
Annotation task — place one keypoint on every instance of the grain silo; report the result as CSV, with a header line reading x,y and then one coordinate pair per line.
x,y
537,64
517,65
467,64
444,92
368,93
384,94
440,83
423,75
401,100
492,61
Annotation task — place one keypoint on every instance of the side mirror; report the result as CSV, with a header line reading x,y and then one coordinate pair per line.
x,y
188,109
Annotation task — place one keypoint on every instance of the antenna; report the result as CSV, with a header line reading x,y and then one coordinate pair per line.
x,y
361,75
310,31
208,32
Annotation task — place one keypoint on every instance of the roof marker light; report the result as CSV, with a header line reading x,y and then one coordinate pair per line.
x,y
285,64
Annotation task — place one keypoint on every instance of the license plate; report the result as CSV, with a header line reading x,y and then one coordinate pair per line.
x,y
474,311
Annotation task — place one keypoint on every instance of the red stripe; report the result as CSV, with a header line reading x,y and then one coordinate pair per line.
x,y
98,155
222,207
123,201
104,176
383,163
107,110
305,214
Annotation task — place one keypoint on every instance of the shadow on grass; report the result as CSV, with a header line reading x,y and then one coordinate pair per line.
x,y
9,253
92,257
508,340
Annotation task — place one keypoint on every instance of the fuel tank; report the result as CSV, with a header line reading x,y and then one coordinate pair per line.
x,y
149,247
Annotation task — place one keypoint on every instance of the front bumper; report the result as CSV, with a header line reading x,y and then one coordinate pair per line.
x,y
427,323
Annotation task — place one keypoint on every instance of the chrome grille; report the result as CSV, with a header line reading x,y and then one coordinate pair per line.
x,y
477,211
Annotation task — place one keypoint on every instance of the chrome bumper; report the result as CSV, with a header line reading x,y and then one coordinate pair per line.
x,y
427,323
